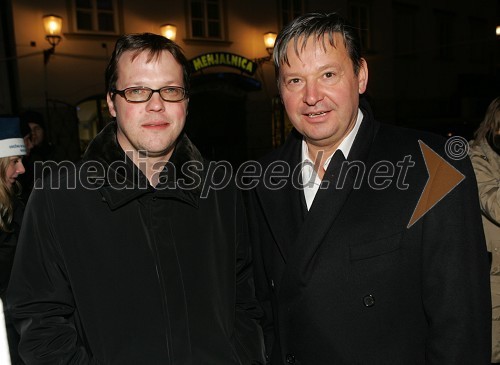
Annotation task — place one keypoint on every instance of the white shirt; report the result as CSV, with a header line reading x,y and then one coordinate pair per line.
x,y
310,178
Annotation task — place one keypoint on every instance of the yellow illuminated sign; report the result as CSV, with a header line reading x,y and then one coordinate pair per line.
x,y
223,59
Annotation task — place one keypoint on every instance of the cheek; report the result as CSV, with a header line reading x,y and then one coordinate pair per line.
x,y
10,171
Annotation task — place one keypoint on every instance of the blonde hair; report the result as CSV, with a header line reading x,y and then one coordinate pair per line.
x,y
490,124
6,196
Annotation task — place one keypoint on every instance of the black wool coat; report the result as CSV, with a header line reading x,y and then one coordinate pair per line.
x,y
348,282
112,271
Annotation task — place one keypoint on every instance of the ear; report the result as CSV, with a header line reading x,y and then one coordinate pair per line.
x,y
111,105
363,76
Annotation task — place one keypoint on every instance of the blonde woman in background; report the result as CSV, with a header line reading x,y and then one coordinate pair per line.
x,y
12,149
485,156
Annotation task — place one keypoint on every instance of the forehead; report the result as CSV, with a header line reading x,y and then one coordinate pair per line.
x,y
145,60
144,66
303,49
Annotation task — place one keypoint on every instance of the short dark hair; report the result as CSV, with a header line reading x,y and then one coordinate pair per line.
x,y
319,26
141,42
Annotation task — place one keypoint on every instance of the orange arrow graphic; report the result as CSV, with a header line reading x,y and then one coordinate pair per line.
x,y
443,178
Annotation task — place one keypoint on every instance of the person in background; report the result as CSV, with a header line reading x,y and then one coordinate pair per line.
x,y
37,150
126,259
343,272
485,155
12,150
42,150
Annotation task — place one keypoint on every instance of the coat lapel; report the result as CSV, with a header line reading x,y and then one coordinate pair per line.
x,y
282,207
326,208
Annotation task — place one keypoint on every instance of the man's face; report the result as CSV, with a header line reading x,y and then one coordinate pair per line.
x,y
152,126
321,92
37,134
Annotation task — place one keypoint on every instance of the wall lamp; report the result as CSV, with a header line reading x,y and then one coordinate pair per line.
x,y
168,31
269,40
52,25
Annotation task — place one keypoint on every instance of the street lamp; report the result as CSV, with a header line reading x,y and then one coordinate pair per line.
x,y
269,40
168,31
52,25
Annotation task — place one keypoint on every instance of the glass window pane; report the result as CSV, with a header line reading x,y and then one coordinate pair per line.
x,y
197,28
196,9
105,4
213,11
83,20
84,4
213,30
105,22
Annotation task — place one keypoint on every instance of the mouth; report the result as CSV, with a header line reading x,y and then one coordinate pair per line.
x,y
316,115
156,126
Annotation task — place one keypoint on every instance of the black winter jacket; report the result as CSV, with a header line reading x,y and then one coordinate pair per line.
x,y
110,270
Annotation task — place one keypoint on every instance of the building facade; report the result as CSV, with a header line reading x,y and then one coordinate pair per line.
x,y
431,64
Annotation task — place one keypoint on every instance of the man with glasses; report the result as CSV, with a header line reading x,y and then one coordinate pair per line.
x,y
121,261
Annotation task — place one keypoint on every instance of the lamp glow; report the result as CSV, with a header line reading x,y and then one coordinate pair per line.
x,y
52,25
169,31
269,39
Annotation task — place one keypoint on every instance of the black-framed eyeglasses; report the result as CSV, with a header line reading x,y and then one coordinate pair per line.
x,y
141,94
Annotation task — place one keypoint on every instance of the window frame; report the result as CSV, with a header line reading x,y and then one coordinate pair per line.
x,y
115,12
222,22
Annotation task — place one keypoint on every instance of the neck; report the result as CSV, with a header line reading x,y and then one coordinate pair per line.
x,y
151,167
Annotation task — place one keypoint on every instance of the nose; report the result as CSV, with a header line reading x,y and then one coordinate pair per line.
x,y
20,168
312,93
156,103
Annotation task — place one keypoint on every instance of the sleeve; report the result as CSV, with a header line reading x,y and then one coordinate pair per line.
x,y
248,312
39,296
488,181
455,270
263,292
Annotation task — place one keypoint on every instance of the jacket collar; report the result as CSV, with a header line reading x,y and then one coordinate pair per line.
x,y
282,207
121,181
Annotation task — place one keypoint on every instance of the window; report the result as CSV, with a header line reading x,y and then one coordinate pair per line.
x,y
95,16
290,9
361,20
206,18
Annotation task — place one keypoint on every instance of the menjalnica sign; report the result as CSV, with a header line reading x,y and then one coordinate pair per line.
x,y
223,59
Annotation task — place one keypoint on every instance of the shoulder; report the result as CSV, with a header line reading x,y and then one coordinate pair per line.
x,y
288,152
408,137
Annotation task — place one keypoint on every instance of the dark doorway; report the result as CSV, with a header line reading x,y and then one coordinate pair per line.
x,y
216,122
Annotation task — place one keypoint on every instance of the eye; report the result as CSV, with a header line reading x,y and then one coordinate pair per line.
x,y
293,81
137,91
329,75
171,90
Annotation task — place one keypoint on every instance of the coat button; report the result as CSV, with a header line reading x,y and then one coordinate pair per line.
x,y
369,300
290,359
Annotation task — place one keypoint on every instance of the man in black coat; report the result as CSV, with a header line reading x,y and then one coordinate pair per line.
x,y
130,257
367,239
